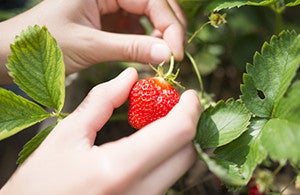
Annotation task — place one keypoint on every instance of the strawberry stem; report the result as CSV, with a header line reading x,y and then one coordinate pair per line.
x,y
196,33
196,71
171,67
169,76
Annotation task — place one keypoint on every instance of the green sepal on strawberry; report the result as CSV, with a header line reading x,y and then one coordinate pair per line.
x,y
152,98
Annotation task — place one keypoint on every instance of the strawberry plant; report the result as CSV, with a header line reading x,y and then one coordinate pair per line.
x,y
259,126
263,123
246,131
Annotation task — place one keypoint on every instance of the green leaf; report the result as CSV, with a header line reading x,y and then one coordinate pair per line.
x,y
235,162
17,113
246,151
221,124
281,139
218,5
33,144
268,93
271,74
289,106
284,129
226,171
37,67
292,3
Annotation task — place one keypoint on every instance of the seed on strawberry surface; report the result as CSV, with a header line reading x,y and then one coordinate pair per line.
x,y
153,98
149,100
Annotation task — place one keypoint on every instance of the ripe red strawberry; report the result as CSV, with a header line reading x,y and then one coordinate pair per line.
x,y
149,100
152,98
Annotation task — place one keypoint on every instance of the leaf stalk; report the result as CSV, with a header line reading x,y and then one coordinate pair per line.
x,y
196,71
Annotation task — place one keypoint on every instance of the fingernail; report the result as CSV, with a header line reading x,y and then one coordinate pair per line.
x,y
160,52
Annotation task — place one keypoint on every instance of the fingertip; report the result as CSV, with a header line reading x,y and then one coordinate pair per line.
x,y
189,103
192,96
127,73
160,52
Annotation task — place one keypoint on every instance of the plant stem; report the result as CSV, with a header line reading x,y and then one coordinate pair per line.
x,y
60,115
278,22
171,67
278,8
196,32
196,71
63,115
288,185
276,171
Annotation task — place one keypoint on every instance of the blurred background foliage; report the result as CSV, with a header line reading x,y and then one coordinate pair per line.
x,y
10,8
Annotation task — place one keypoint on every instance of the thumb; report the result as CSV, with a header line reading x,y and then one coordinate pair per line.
x,y
105,46
97,107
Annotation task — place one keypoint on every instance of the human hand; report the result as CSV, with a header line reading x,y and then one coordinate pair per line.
x,y
146,162
77,27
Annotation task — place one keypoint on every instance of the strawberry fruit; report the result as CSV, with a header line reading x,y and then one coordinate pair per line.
x,y
149,100
152,98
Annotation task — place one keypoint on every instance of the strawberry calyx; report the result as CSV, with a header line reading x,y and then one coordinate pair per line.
x,y
169,76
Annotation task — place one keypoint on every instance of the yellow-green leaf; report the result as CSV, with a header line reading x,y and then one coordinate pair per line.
x,y
17,113
37,67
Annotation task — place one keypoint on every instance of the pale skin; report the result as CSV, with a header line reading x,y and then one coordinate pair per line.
x,y
77,28
147,162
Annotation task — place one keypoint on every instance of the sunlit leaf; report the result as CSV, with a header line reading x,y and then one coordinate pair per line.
x,y
222,123
235,162
37,67
217,5
281,135
268,79
17,113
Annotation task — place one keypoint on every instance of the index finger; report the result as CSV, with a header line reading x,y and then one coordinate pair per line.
x,y
163,19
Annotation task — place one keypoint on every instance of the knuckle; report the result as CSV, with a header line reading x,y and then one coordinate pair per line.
x,y
133,51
